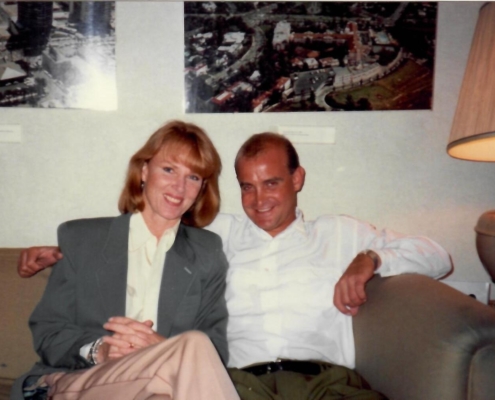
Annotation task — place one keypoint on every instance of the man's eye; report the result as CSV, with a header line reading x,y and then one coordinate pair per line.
x,y
246,188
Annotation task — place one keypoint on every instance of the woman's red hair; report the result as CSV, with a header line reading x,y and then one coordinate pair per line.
x,y
189,145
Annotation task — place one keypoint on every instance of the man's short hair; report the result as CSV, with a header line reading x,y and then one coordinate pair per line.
x,y
259,142
190,146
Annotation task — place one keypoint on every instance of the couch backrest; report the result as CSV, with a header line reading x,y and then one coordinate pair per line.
x,y
18,297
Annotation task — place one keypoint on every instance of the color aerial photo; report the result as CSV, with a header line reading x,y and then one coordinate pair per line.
x,y
58,54
295,56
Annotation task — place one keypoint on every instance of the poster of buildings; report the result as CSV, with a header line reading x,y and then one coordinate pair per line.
x,y
308,56
58,54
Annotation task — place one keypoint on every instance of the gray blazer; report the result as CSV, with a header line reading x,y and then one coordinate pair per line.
x,y
88,286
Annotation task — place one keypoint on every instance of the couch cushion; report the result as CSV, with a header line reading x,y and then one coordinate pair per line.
x,y
18,297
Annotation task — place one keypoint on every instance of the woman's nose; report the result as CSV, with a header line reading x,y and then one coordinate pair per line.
x,y
180,183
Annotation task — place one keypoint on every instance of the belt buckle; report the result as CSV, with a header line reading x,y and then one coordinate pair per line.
x,y
274,366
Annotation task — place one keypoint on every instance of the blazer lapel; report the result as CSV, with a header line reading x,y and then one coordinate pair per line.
x,y
178,274
112,279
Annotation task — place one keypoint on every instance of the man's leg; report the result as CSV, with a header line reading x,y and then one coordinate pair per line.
x,y
341,383
251,387
334,382
184,367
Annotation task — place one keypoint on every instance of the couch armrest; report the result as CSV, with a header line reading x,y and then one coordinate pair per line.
x,y
417,338
18,297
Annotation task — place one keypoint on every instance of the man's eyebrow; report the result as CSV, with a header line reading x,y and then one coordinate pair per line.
x,y
274,179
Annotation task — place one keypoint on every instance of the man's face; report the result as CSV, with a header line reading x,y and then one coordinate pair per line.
x,y
268,190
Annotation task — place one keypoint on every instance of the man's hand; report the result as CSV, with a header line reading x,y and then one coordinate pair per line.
x,y
33,260
129,336
350,289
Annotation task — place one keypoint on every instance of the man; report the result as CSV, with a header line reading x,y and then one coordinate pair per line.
x,y
282,272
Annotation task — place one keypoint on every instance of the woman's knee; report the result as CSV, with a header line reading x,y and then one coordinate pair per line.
x,y
187,341
195,337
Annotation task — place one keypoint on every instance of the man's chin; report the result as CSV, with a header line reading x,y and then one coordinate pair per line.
x,y
263,221
263,224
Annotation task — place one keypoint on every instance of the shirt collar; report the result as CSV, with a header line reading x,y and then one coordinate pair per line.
x,y
297,227
139,233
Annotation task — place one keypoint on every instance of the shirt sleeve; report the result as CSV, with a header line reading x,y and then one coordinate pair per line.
x,y
84,350
401,254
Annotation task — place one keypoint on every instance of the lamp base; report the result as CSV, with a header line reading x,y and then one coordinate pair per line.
x,y
485,241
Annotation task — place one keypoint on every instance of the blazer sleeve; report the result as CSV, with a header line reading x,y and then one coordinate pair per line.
x,y
57,337
212,316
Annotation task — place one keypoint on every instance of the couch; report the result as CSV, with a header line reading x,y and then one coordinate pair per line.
x,y
419,339
416,338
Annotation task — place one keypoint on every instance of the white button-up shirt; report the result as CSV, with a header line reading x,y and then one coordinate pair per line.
x,y
280,289
145,268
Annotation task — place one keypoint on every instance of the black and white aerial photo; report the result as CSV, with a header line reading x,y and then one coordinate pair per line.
x,y
58,54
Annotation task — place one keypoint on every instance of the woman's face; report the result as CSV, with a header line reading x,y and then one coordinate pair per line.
x,y
170,189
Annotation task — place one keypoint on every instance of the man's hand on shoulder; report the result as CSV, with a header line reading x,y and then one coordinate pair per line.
x,y
34,259
350,291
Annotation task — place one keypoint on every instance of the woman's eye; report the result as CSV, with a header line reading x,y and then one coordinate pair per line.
x,y
195,178
167,169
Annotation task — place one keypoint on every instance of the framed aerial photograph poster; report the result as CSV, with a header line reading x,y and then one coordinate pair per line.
x,y
58,54
308,56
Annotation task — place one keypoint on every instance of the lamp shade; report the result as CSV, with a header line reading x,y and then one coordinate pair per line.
x,y
473,131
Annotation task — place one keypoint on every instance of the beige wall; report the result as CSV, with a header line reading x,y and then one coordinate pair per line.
x,y
389,168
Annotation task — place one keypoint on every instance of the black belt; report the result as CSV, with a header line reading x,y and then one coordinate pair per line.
x,y
301,367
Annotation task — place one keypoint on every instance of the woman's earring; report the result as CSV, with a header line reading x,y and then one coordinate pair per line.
x,y
142,185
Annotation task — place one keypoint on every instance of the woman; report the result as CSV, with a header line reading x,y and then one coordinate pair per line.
x,y
119,305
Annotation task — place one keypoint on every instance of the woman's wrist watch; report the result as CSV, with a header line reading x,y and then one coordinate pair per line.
x,y
93,351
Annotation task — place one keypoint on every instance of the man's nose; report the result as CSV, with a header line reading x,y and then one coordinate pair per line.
x,y
260,197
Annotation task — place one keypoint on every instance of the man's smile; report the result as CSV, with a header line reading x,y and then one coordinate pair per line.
x,y
264,210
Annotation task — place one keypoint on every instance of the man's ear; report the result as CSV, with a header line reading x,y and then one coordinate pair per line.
x,y
298,178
